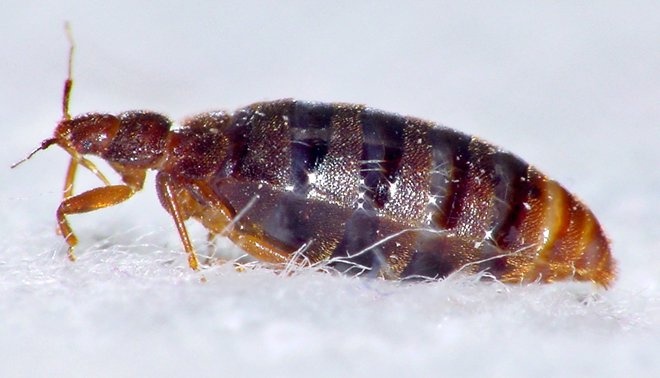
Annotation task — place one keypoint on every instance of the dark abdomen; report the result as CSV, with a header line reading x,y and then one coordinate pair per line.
x,y
398,196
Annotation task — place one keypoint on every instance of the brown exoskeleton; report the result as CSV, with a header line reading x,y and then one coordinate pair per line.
x,y
360,188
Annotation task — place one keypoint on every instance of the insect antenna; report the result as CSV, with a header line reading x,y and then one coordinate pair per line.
x,y
45,144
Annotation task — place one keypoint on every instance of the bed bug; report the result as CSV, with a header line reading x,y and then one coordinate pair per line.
x,y
363,190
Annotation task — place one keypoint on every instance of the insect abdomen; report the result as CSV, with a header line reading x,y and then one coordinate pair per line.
x,y
401,197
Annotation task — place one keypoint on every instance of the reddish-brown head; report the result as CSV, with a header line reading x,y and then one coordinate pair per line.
x,y
89,133
133,139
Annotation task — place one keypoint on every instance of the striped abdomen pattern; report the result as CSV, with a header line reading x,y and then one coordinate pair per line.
x,y
379,193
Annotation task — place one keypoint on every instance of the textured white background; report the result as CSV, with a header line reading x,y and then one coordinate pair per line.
x,y
573,87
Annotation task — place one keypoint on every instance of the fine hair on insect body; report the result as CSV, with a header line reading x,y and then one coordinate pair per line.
x,y
357,189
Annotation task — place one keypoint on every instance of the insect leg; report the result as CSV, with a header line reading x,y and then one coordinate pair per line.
x,y
221,220
210,247
258,247
70,175
67,192
215,215
90,200
168,192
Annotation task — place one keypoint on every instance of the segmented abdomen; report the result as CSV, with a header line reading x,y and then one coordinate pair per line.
x,y
398,196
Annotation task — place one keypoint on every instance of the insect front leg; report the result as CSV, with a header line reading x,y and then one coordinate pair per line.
x,y
70,175
94,199
90,200
67,191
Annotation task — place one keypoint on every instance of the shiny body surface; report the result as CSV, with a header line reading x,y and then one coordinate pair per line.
x,y
395,196
364,190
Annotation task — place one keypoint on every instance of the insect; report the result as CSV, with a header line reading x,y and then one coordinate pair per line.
x,y
365,190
